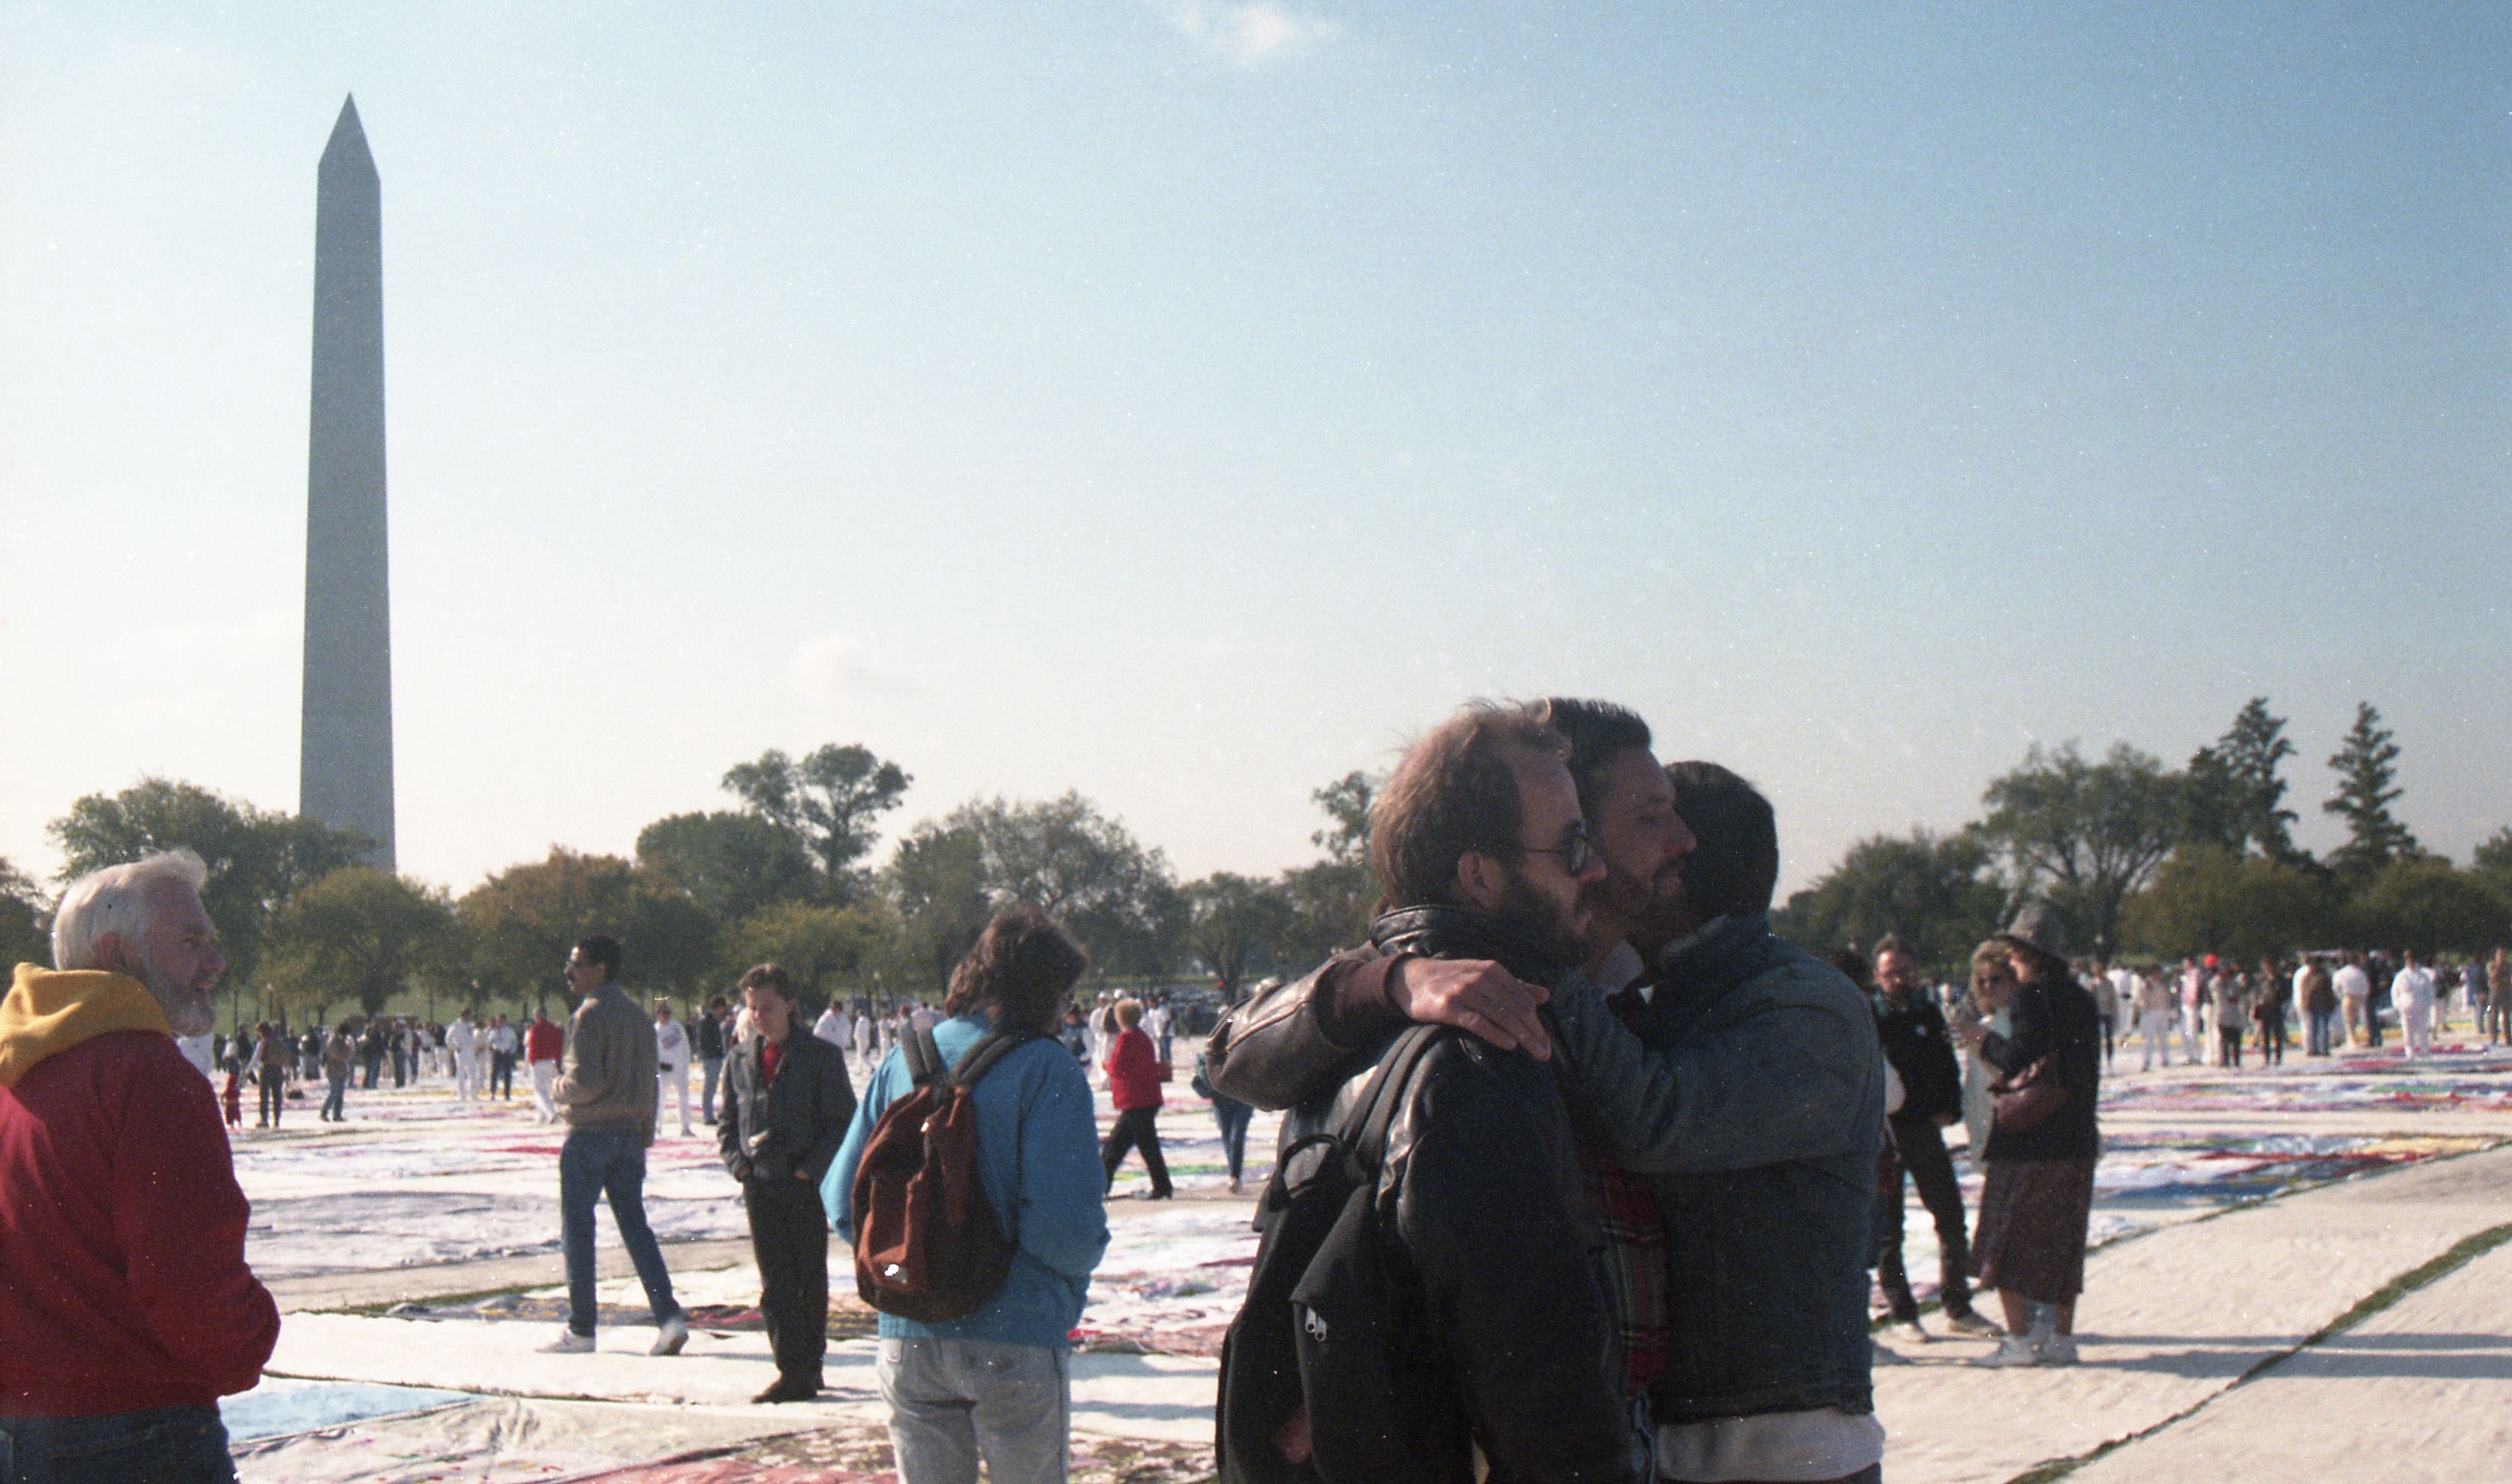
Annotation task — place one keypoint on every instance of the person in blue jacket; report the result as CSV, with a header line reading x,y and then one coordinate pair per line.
x,y
996,1382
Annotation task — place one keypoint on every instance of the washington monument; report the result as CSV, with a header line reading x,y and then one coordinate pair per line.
x,y
345,746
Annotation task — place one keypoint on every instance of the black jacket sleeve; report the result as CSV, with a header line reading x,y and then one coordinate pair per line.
x,y
1281,1048
833,1110
1484,1214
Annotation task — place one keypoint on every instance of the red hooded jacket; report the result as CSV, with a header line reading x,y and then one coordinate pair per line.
x,y
121,1224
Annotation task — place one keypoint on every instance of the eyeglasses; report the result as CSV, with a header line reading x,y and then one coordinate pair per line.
x,y
1573,848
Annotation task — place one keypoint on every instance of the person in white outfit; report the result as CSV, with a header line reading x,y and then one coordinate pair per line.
x,y
2412,990
863,1037
2355,1000
2153,1004
462,1040
672,1064
834,1026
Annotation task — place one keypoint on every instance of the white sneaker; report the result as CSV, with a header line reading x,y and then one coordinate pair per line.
x,y
1912,1330
569,1342
2058,1350
671,1335
2013,1351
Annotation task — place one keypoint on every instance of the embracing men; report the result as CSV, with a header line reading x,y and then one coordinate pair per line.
x,y
1710,1135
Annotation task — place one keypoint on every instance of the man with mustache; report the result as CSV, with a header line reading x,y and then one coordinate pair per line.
x,y
128,1310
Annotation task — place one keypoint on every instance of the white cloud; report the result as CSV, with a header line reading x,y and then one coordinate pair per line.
x,y
1249,33
837,667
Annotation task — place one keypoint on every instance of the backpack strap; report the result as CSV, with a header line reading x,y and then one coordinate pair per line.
x,y
1364,1130
991,1048
924,1062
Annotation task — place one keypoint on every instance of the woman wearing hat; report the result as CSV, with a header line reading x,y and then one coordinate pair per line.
x,y
2038,1196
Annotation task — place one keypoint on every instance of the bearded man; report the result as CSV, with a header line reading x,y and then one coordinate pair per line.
x,y
1481,854
128,1310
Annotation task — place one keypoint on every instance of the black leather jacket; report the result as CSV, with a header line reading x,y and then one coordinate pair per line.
x,y
804,1113
1504,1326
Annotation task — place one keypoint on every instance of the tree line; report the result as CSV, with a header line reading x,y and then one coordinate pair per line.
x,y
788,874
2139,858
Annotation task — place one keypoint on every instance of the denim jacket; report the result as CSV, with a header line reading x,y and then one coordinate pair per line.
x,y
1754,1095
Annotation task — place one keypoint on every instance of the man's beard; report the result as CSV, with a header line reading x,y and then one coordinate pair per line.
x,y
187,1010
1526,908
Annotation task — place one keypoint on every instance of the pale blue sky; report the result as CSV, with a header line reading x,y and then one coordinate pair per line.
x,y
1182,401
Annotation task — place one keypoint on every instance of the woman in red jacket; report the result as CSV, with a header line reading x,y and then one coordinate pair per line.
x,y
1134,1087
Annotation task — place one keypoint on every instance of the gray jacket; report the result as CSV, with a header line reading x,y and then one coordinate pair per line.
x,y
606,1077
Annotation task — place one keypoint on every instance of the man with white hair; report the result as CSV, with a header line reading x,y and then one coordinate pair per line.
x,y
128,1310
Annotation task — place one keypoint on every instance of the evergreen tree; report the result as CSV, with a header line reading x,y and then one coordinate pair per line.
x,y
2236,798
2367,764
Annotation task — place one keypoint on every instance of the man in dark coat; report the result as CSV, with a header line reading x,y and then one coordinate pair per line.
x,y
786,1104
1914,1033
1481,852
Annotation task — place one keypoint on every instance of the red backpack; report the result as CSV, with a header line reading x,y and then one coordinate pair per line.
x,y
927,1246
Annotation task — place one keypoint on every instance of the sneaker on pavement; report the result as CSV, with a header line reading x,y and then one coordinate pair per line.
x,y
670,1336
2058,1350
569,1342
1969,1322
787,1390
2013,1351
1910,1329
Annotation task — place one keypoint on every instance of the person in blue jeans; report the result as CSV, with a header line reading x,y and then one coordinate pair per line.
x,y
607,1092
995,1384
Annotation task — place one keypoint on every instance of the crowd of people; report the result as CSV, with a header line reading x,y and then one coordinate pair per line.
x,y
1624,1163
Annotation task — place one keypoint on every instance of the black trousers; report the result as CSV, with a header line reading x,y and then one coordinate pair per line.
x,y
501,1073
1137,1128
789,1236
1925,1161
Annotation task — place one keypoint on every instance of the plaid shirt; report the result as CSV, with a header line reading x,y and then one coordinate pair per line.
x,y
1633,1264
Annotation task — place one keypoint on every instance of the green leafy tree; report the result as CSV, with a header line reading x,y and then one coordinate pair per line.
x,y
1236,922
2085,834
1934,891
26,920
2367,764
257,860
2210,899
935,884
2492,865
520,923
826,950
831,800
2421,902
1082,867
1333,899
363,935
732,865
2236,796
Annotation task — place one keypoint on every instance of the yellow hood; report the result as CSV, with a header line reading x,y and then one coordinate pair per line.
x,y
48,1011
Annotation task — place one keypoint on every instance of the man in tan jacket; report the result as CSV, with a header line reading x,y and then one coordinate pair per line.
x,y
605,1092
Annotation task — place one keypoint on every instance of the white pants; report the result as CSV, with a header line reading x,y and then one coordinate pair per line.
x,y
466,1075
2415,1023
676,1093
544,1077
2156,1027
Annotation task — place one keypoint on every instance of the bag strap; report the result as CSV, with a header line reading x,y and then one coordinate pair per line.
x,y
924,1058
1364,1130
991,1048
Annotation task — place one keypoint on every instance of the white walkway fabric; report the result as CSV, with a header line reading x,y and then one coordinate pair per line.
x,y
2172,1319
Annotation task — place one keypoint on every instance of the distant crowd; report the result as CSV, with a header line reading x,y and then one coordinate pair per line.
x,y
1585,1174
